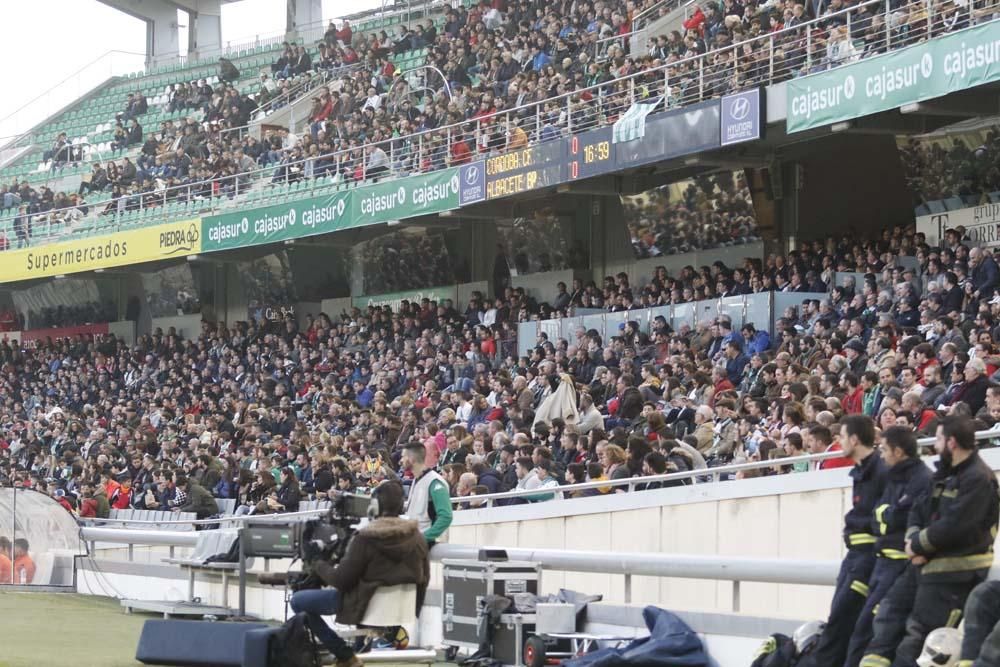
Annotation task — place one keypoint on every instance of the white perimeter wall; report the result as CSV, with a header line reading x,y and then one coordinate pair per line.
x,y
798,516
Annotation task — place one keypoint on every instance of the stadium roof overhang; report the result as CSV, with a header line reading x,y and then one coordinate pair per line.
x,y
146,10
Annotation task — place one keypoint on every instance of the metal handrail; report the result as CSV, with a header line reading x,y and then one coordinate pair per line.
x,y
696,476
714,473
624,86
682,566
642,19
447,85
639,23
28,136
301,90
242,519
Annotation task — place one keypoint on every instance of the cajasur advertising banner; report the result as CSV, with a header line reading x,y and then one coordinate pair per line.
x,y
149,244
394,299
406,197
281,222
943,65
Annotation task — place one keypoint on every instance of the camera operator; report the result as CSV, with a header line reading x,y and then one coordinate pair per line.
x,y
388,551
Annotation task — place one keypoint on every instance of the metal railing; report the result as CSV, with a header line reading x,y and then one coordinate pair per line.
x,y
627,564
228,519
639,22
703,476
302,89
680,566
653,12
17,127
778,56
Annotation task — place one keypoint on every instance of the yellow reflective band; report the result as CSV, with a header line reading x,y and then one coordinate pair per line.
x,y
879,513
856,539
925,542
964,663
769,646
953,493
958,564
872,660
875,610
953,618
859,587
894,554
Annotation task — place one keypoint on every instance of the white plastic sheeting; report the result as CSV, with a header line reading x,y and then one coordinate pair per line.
x,y
50,530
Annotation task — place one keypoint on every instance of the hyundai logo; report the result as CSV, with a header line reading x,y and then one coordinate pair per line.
x,y
472,174
740,108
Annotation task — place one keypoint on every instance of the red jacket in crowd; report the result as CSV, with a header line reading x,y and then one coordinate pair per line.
x,y
842,462
853,402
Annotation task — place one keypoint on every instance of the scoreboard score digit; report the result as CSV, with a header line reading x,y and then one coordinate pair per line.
x,y
591,154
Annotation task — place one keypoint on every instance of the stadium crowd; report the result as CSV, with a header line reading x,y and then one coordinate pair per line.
x,y
495,57
268,417
955,166
245,412
712,211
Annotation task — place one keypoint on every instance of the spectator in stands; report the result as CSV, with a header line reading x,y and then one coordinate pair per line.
x,y
60,152
194,498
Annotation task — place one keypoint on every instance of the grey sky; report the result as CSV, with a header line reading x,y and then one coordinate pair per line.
x,y
45,41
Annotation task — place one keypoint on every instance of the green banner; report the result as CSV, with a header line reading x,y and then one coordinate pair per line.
x,y
406,197
393,300
958,61
269,224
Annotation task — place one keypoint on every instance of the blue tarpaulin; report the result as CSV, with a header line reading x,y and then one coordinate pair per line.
x,y
670,642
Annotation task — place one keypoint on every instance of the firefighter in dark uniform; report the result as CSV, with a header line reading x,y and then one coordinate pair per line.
x,y
857,439
908,483
950,544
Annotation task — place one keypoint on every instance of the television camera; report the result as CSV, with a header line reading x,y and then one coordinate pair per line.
x,y
324,538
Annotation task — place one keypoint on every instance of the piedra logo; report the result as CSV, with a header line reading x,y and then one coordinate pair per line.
x,y
174,241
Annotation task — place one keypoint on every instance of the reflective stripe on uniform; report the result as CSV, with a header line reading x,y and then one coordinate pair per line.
x,y
925,542
958,563
893,554
769,646
859,587
856,539
872,660
879,513
875,609
953,618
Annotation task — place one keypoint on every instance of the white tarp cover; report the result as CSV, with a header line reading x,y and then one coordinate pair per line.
x,y
48,527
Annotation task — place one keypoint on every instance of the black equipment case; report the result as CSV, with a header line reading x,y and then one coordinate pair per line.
x,y
466,583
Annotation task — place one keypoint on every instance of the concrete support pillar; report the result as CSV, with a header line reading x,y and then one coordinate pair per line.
x,y
305,20
205,29
162,35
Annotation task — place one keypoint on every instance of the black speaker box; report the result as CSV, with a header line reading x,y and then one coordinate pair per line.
x,y
193,643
